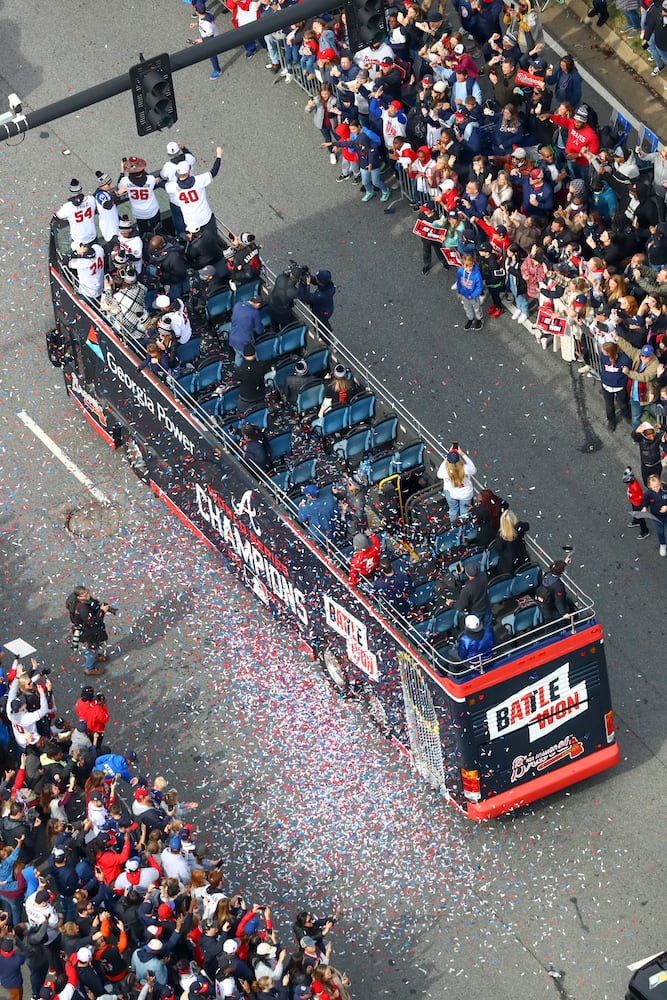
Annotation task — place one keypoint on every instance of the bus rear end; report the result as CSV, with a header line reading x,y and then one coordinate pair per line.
x,y
534,724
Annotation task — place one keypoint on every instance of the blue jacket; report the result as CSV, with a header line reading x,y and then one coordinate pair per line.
x,y
319,514
10,970
113,763
611,374
366,148
567,87
470,647
245,323
470,286
544,195
320,298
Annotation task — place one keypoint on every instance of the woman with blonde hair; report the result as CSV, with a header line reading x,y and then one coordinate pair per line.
x,y
456,472
510,544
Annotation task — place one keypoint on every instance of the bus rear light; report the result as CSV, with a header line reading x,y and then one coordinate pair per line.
x,y
471,788
609,726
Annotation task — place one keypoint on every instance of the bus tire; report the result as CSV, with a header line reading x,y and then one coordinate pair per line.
x,y
334,669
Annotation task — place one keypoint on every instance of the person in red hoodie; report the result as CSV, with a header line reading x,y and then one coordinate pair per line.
x,y
366,558
109,863
581,138
636,498
349,164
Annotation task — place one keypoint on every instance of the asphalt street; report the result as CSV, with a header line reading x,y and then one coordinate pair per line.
x,y
302,796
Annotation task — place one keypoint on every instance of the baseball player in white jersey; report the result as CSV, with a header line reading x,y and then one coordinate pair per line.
x,y
131,242
140,187
79,211
189,192
106,203
178,153
88,262
174,318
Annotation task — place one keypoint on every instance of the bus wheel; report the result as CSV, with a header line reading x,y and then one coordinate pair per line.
x,y
135,459
334,669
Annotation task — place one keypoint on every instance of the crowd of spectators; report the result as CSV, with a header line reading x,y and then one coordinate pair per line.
x,y
104,891
517,183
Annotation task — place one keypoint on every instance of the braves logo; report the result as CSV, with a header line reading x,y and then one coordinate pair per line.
x,y
245,506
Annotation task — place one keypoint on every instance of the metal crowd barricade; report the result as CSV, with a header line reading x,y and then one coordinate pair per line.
x,y
592,353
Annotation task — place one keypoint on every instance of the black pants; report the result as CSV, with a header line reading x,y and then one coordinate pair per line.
x,y
612,400
428,246
643,530
495,292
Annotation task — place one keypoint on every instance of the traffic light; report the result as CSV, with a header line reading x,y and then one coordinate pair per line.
x,y
366,22
153,95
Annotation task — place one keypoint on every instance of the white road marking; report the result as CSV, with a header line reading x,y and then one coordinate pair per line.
x,y
62,457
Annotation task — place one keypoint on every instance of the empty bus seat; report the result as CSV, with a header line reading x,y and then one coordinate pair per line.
x,y
318,360
500,589
303,472
187,384
523,620
277,379
334,421
526,578
310,397
209,376
384,432
279,445
249,290
380,467
353,445
229,399
266,347
361,409
292,338
219,305
188,352
409,457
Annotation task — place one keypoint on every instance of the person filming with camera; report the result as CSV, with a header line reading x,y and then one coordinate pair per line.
x,y
87,616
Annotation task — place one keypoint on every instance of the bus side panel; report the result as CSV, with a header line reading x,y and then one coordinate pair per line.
x,y
222,503
544,722
524,735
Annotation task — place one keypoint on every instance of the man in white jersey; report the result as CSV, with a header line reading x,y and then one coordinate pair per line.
x,y
131,242
88,262
173,317
140,187
79,212
25,723
189,191
177,153
106,203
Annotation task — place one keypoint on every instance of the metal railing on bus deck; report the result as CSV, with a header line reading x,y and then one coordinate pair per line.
x,y
408,424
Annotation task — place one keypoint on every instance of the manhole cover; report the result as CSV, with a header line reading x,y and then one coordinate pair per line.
x,y
95,521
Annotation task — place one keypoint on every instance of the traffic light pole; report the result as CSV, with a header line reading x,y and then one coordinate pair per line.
x,y
179,60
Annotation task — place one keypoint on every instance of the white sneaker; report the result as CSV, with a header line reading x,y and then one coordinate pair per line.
x,y
663,550
288,77
283,72
454,287
584,370
332,159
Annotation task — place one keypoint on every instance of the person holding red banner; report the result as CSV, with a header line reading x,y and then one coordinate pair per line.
x,y
436,223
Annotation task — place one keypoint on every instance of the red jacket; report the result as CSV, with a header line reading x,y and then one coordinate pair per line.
x,y
635,494
93,714
111,863
365,562
577,139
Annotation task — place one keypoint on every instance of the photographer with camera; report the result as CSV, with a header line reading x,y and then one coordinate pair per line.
x,y
87,615
289,286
